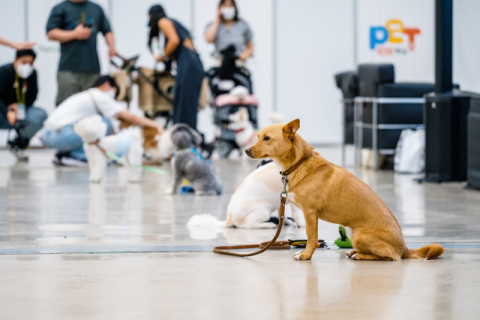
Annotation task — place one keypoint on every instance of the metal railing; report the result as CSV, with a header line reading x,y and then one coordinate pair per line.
x,y
359,125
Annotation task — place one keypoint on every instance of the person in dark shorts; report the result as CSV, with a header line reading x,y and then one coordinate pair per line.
x,y
75,24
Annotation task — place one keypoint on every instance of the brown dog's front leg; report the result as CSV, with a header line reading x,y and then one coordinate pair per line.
x,y
311,221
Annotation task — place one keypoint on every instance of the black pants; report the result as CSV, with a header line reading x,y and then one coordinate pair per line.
x,y
188,84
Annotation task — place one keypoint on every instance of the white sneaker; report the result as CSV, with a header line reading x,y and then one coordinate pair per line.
x,y
20,154
71,162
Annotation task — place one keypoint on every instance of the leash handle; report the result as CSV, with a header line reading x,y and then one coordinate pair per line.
x,y
263,247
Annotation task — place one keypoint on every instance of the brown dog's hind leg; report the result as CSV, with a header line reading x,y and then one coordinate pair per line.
x,y
371,247
351,253
381,251
362,256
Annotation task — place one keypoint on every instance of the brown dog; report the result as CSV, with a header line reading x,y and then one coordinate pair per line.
x,y
328,192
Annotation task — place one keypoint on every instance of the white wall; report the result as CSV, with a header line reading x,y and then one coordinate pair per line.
x,y
314,41
411,65
302,91
466,44
12,27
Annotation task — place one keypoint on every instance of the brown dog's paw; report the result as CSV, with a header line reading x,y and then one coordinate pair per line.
x,y
351,253
300,255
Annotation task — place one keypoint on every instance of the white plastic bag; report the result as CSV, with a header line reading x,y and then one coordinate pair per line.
x,y
410,152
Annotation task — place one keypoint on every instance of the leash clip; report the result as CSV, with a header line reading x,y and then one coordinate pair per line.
x,y
284,191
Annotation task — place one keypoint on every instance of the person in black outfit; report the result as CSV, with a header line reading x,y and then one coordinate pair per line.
x,y
18,92
190,73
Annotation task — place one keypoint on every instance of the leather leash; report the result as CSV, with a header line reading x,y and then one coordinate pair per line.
x,y
281,215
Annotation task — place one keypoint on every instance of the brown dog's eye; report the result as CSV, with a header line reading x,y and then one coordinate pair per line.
x,y
266,138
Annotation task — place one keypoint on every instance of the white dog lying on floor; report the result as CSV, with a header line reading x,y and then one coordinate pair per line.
x,y
255,204
126,144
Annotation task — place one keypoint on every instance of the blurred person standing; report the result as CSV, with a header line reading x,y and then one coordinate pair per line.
x,y
178,47
229,30
75,24
18,92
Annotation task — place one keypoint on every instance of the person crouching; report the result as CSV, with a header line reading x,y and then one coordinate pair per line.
x,y
18,92
99,100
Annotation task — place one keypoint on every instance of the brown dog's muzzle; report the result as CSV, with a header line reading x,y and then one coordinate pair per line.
x,y
249,152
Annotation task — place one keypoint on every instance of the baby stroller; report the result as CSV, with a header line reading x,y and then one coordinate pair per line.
x,y
222,80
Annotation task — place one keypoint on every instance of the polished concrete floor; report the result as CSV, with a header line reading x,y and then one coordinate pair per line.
x,y
123,251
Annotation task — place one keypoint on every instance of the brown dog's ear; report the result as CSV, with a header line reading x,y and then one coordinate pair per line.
x,y
290,128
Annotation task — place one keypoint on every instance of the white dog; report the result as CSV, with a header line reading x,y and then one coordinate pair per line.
x,y
245,134
254,203
127,144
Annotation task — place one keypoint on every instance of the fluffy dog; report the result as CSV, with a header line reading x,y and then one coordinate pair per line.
x,y
240,92
245,133
127,143
188,164
255,204
328,192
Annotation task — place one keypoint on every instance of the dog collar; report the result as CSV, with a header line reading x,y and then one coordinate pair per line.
x,y
194,150
293,168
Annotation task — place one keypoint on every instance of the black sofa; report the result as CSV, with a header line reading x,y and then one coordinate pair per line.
x,y
378,81
348,84
473,125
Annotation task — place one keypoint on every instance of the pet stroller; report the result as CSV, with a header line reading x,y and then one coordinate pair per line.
x,y
230,74
222,80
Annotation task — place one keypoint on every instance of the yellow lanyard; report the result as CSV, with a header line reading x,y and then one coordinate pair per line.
x,y
20,96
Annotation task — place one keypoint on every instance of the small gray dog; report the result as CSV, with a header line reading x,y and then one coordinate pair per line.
x,y
188,164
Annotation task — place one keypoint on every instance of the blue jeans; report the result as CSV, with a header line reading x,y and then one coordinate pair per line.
x,y
34,118
66,140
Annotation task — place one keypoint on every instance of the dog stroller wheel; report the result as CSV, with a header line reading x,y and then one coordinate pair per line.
x,y
224,148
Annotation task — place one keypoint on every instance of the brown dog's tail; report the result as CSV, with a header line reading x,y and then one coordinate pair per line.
x,y
432,251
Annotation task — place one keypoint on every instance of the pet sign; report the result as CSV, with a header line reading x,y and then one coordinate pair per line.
x,y
393,38
398,32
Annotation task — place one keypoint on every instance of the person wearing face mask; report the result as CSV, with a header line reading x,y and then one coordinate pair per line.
x,y
18,92
229,30
100,99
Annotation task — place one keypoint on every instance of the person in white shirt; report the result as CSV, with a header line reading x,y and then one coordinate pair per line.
x,y
100,99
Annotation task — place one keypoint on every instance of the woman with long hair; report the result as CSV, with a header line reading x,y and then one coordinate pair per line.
x,y
229,30
190,73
